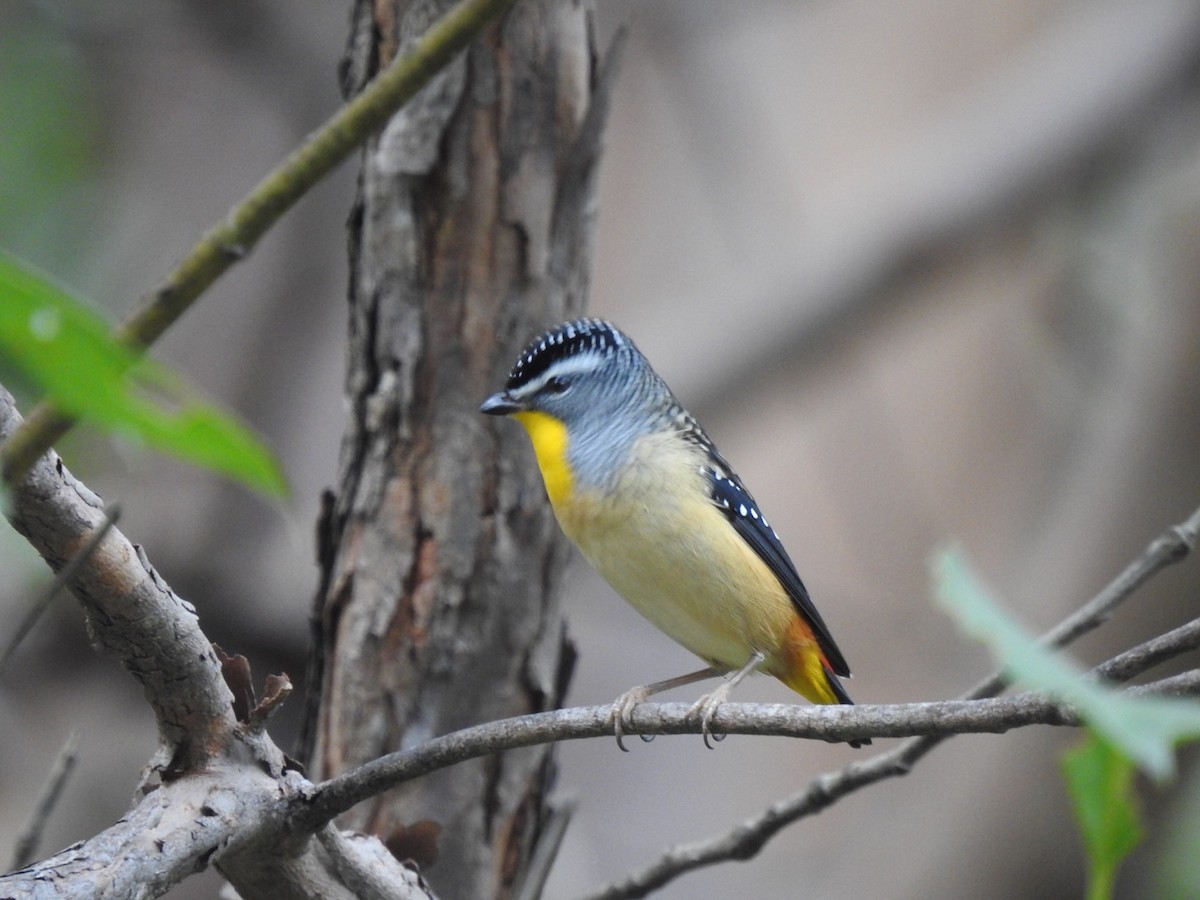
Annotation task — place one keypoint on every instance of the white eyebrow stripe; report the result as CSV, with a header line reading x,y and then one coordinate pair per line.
x,y
584,361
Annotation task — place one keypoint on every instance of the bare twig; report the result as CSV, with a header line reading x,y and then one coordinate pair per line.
x,y
232,239
562,809
237,810
112,513
1185,684
240,807
928,721
1172,546
1154,652
931,722
31,834
746,839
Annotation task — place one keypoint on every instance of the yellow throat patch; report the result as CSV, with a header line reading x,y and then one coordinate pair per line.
x,y
549,438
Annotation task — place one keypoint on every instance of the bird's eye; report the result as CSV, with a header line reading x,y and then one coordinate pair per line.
x,y
557,385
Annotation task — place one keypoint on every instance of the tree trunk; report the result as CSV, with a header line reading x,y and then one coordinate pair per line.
x,y
440,558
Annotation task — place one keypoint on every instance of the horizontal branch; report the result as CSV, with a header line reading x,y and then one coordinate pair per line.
x,y
185,824
824,723
747,838
137,618
926,723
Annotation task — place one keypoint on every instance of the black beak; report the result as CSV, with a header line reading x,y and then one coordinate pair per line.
x,y
500,404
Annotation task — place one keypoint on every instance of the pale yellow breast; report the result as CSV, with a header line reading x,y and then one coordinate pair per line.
x,y
664,547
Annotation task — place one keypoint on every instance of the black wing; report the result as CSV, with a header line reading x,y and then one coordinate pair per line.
x,y
731,496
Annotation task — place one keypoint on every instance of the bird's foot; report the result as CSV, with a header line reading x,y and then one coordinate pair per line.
x,y
621,714
706,708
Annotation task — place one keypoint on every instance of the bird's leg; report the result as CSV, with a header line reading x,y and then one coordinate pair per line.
x,y
622,708
707,705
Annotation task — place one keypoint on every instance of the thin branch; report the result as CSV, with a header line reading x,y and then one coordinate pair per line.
x,y
235,810
136,617
830,723
1185,684
561,811
746,839
1172,546
31,834
232,811
239,807
112,513
938,720
930,722
233,238
1147,655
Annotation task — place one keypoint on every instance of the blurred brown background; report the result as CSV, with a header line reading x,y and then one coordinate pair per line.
x,y
925,270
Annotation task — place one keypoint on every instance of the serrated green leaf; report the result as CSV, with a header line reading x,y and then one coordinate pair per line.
x,y
1100,782
1146,729
65,348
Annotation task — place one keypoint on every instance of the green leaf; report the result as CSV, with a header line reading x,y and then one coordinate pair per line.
x,y
65,348
1145,729
1100,782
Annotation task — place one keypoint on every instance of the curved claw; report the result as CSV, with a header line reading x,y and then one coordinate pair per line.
x,y
715,736
622,715
706,708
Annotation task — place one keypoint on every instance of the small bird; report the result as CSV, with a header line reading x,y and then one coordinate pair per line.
x,y
638,486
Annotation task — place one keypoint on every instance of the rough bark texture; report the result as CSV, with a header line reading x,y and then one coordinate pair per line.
x,y
440,558
131,612
217,789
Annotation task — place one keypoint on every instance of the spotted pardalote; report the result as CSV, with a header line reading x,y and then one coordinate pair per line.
x,y
638,486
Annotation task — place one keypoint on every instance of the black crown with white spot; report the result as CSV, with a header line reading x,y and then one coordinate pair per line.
x,y
561,342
